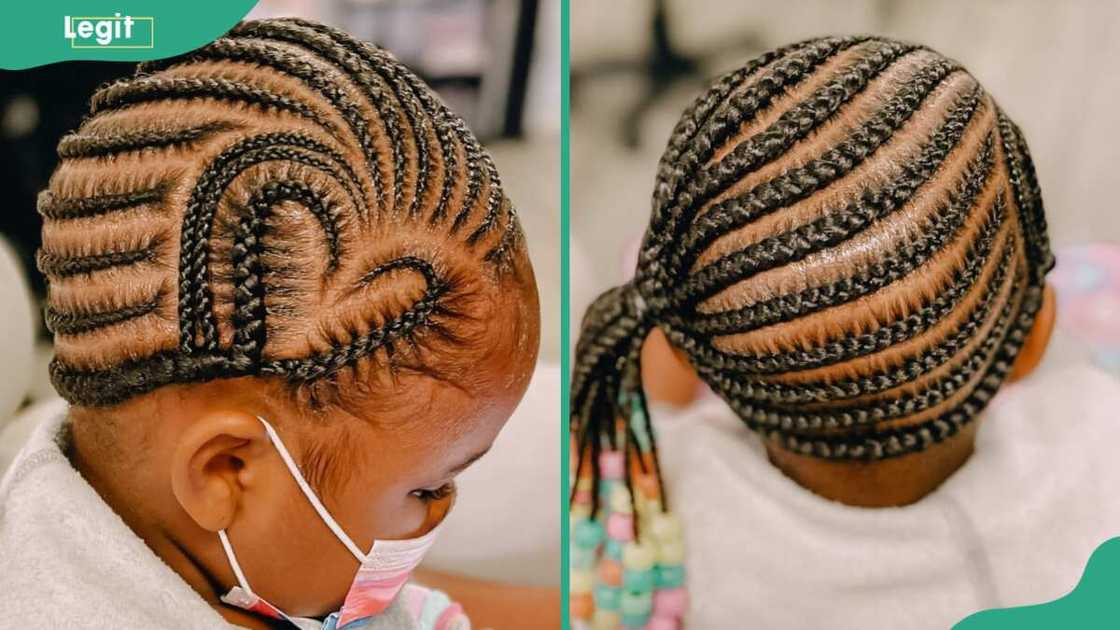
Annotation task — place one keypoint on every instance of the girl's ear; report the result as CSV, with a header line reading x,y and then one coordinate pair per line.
x,y
1034,346
218,456
667,376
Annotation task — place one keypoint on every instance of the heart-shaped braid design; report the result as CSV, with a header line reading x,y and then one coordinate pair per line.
x,y
286,201
847,241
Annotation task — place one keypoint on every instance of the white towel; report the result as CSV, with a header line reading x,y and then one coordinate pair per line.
x,y
68,561
1014,526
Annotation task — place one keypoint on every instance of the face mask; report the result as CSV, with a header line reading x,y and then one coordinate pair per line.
x,y
381,575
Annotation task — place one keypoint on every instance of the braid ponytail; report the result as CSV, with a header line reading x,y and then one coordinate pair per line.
x,y
848,242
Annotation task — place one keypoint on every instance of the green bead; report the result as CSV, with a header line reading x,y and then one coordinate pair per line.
x,y
639,580
636,604
613,549
587,534
607,597
605,487
634,621
670,576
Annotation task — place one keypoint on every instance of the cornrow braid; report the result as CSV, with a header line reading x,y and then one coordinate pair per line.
x,y
284,202
848,242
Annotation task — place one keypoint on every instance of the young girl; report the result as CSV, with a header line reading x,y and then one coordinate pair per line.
x,y
290,304
848,246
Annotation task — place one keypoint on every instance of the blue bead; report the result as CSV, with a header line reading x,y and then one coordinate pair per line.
x,y
588,533
639,581
613,549
607,597
670,576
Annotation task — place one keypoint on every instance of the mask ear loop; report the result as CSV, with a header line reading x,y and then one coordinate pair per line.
x,y
310,494
234,564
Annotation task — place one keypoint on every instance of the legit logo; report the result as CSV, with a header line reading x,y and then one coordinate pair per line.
x,y
110,32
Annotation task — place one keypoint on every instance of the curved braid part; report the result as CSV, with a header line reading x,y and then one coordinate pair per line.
x,y
286,201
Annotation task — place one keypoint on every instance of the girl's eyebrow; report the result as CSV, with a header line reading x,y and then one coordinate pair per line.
x,y
466,464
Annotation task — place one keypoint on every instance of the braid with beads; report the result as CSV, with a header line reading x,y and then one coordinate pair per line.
x,y
848,242
283,202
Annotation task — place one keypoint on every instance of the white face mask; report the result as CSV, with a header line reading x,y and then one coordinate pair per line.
x,y
381,575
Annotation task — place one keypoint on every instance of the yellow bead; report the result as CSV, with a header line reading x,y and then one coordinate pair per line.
x,y
638,556
606,620
580,512
582,581
666,527
670,552
620,500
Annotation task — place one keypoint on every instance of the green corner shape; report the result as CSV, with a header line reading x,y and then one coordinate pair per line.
x,y
1093,603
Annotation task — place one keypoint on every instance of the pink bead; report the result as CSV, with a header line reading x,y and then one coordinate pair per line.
x,y
612,465
672,602
620,526
583,497
663,623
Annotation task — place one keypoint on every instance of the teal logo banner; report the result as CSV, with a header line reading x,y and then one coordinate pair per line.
x,y
64,30
1093,603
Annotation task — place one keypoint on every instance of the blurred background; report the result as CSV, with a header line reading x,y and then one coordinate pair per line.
x,y
497,64
636,64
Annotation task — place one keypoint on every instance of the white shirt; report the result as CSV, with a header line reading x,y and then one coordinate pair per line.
x,y
67,560
1014,526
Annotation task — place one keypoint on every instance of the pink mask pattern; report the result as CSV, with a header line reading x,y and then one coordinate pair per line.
x,y
382,573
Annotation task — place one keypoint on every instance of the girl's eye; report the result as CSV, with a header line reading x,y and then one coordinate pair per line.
x,y
435,494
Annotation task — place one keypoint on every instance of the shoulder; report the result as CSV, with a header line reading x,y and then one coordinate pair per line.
x,y
432,609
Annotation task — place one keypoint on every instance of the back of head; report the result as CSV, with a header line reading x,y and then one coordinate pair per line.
x,y
847,241
285,202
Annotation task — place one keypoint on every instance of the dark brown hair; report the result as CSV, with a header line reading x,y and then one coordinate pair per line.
x,y
847,241
284,202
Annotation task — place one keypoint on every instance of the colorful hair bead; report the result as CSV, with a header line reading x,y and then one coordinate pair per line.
x,y
581,558
606,620
620,526
613,549
607,597
581,606
657,622
670,576
637,556
610,572
636,603
581,581
587,533
638,580
612,465
670,552
671,602
664,527
647,485
620,499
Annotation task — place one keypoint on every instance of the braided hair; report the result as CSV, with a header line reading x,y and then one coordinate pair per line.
x,y
284,202
847,241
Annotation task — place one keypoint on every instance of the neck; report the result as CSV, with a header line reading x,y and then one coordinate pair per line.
x,y
150,525
890,482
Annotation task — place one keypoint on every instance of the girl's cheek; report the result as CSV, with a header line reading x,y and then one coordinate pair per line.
x,y
409,519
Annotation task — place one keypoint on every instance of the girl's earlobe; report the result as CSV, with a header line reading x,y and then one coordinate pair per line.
x,y
209,465
1034,347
